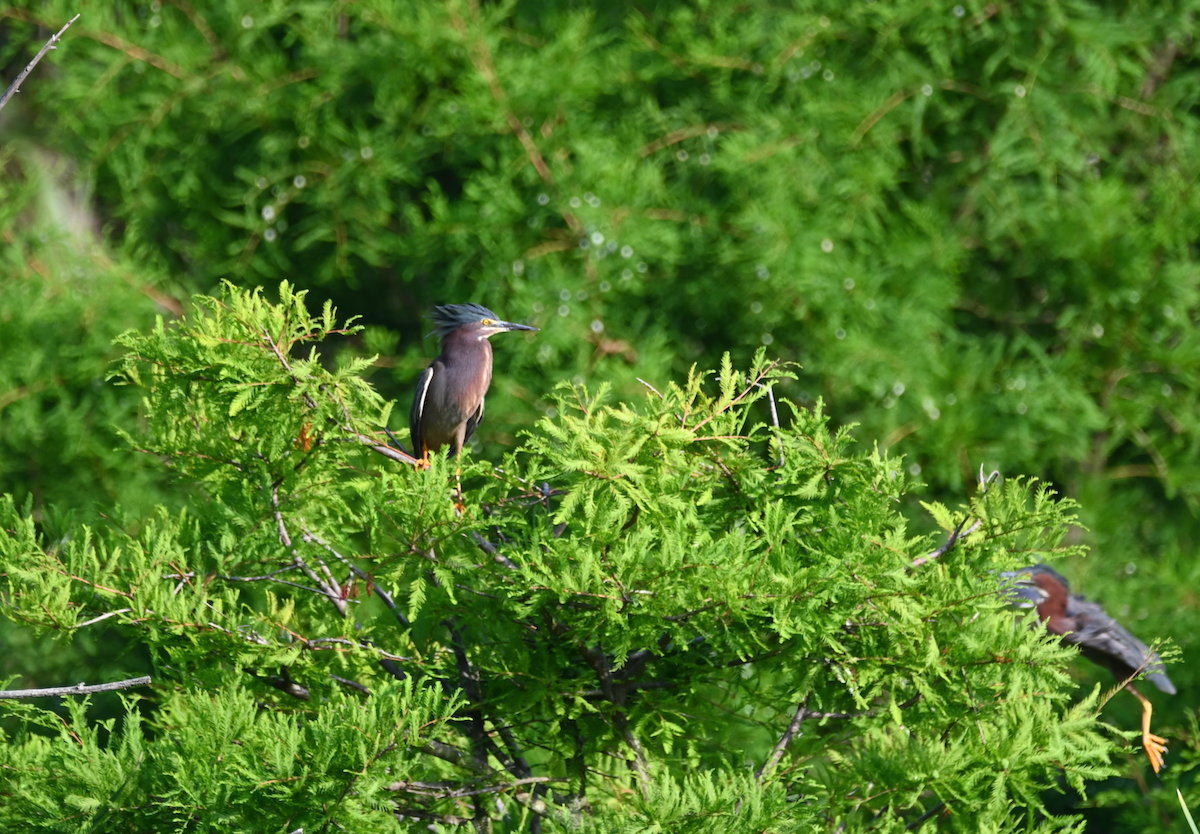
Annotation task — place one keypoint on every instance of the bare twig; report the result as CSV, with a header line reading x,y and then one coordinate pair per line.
x,y
493,551
14,88
333,593
398,455
95,620
351,684
284,538
308,400
1160,69
260,578
784,740
775,420
959,533
468,680
617,696
383,595
327,586
915,824
882,110
78,689
453,755
651,387
680,135
444,791
283,682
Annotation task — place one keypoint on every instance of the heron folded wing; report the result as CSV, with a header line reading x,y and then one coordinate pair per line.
x,y
418,409
473,422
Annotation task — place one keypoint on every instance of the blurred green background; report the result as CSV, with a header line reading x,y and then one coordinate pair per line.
x,y
973,225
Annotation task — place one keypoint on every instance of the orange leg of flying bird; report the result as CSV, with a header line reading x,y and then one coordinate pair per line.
x,y
1155,745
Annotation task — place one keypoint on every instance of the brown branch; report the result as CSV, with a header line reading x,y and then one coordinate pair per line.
x,y
882,110
753,384
481,57
201,25
676,136
1162,66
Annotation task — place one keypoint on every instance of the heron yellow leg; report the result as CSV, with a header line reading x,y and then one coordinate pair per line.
x,y
1155,745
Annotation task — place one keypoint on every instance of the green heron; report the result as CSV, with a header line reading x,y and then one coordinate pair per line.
x,y
448,403
1100,638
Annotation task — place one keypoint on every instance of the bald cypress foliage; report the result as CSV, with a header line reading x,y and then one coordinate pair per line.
x,y
969,226
661,613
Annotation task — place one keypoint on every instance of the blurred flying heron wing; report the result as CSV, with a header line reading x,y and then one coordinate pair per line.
x,y
418,408
1103,640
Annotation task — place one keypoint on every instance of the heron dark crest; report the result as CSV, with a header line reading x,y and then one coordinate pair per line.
x,y
1100,638
448,403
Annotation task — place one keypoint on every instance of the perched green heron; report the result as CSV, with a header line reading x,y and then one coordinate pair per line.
x,y
448,403
1100,638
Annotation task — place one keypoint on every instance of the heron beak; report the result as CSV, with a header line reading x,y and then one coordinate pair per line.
x,y
502,326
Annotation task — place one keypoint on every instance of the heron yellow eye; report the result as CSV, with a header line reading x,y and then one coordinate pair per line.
x,y
486,321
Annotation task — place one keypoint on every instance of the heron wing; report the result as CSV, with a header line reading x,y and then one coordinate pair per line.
x,y
418,409
1106,641
473,422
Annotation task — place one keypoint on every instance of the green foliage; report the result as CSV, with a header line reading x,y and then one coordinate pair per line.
x,y
615,635
217,763
63,304
970,225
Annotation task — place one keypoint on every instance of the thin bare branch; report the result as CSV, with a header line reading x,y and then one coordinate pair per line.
x,y
14,88
95,620
308,400
493,551
617,696
784,740
398,455
444,792
383,595
775,420
651,387
957,534
78,689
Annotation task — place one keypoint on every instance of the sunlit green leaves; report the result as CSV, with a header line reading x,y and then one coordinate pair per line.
x,y
646,591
